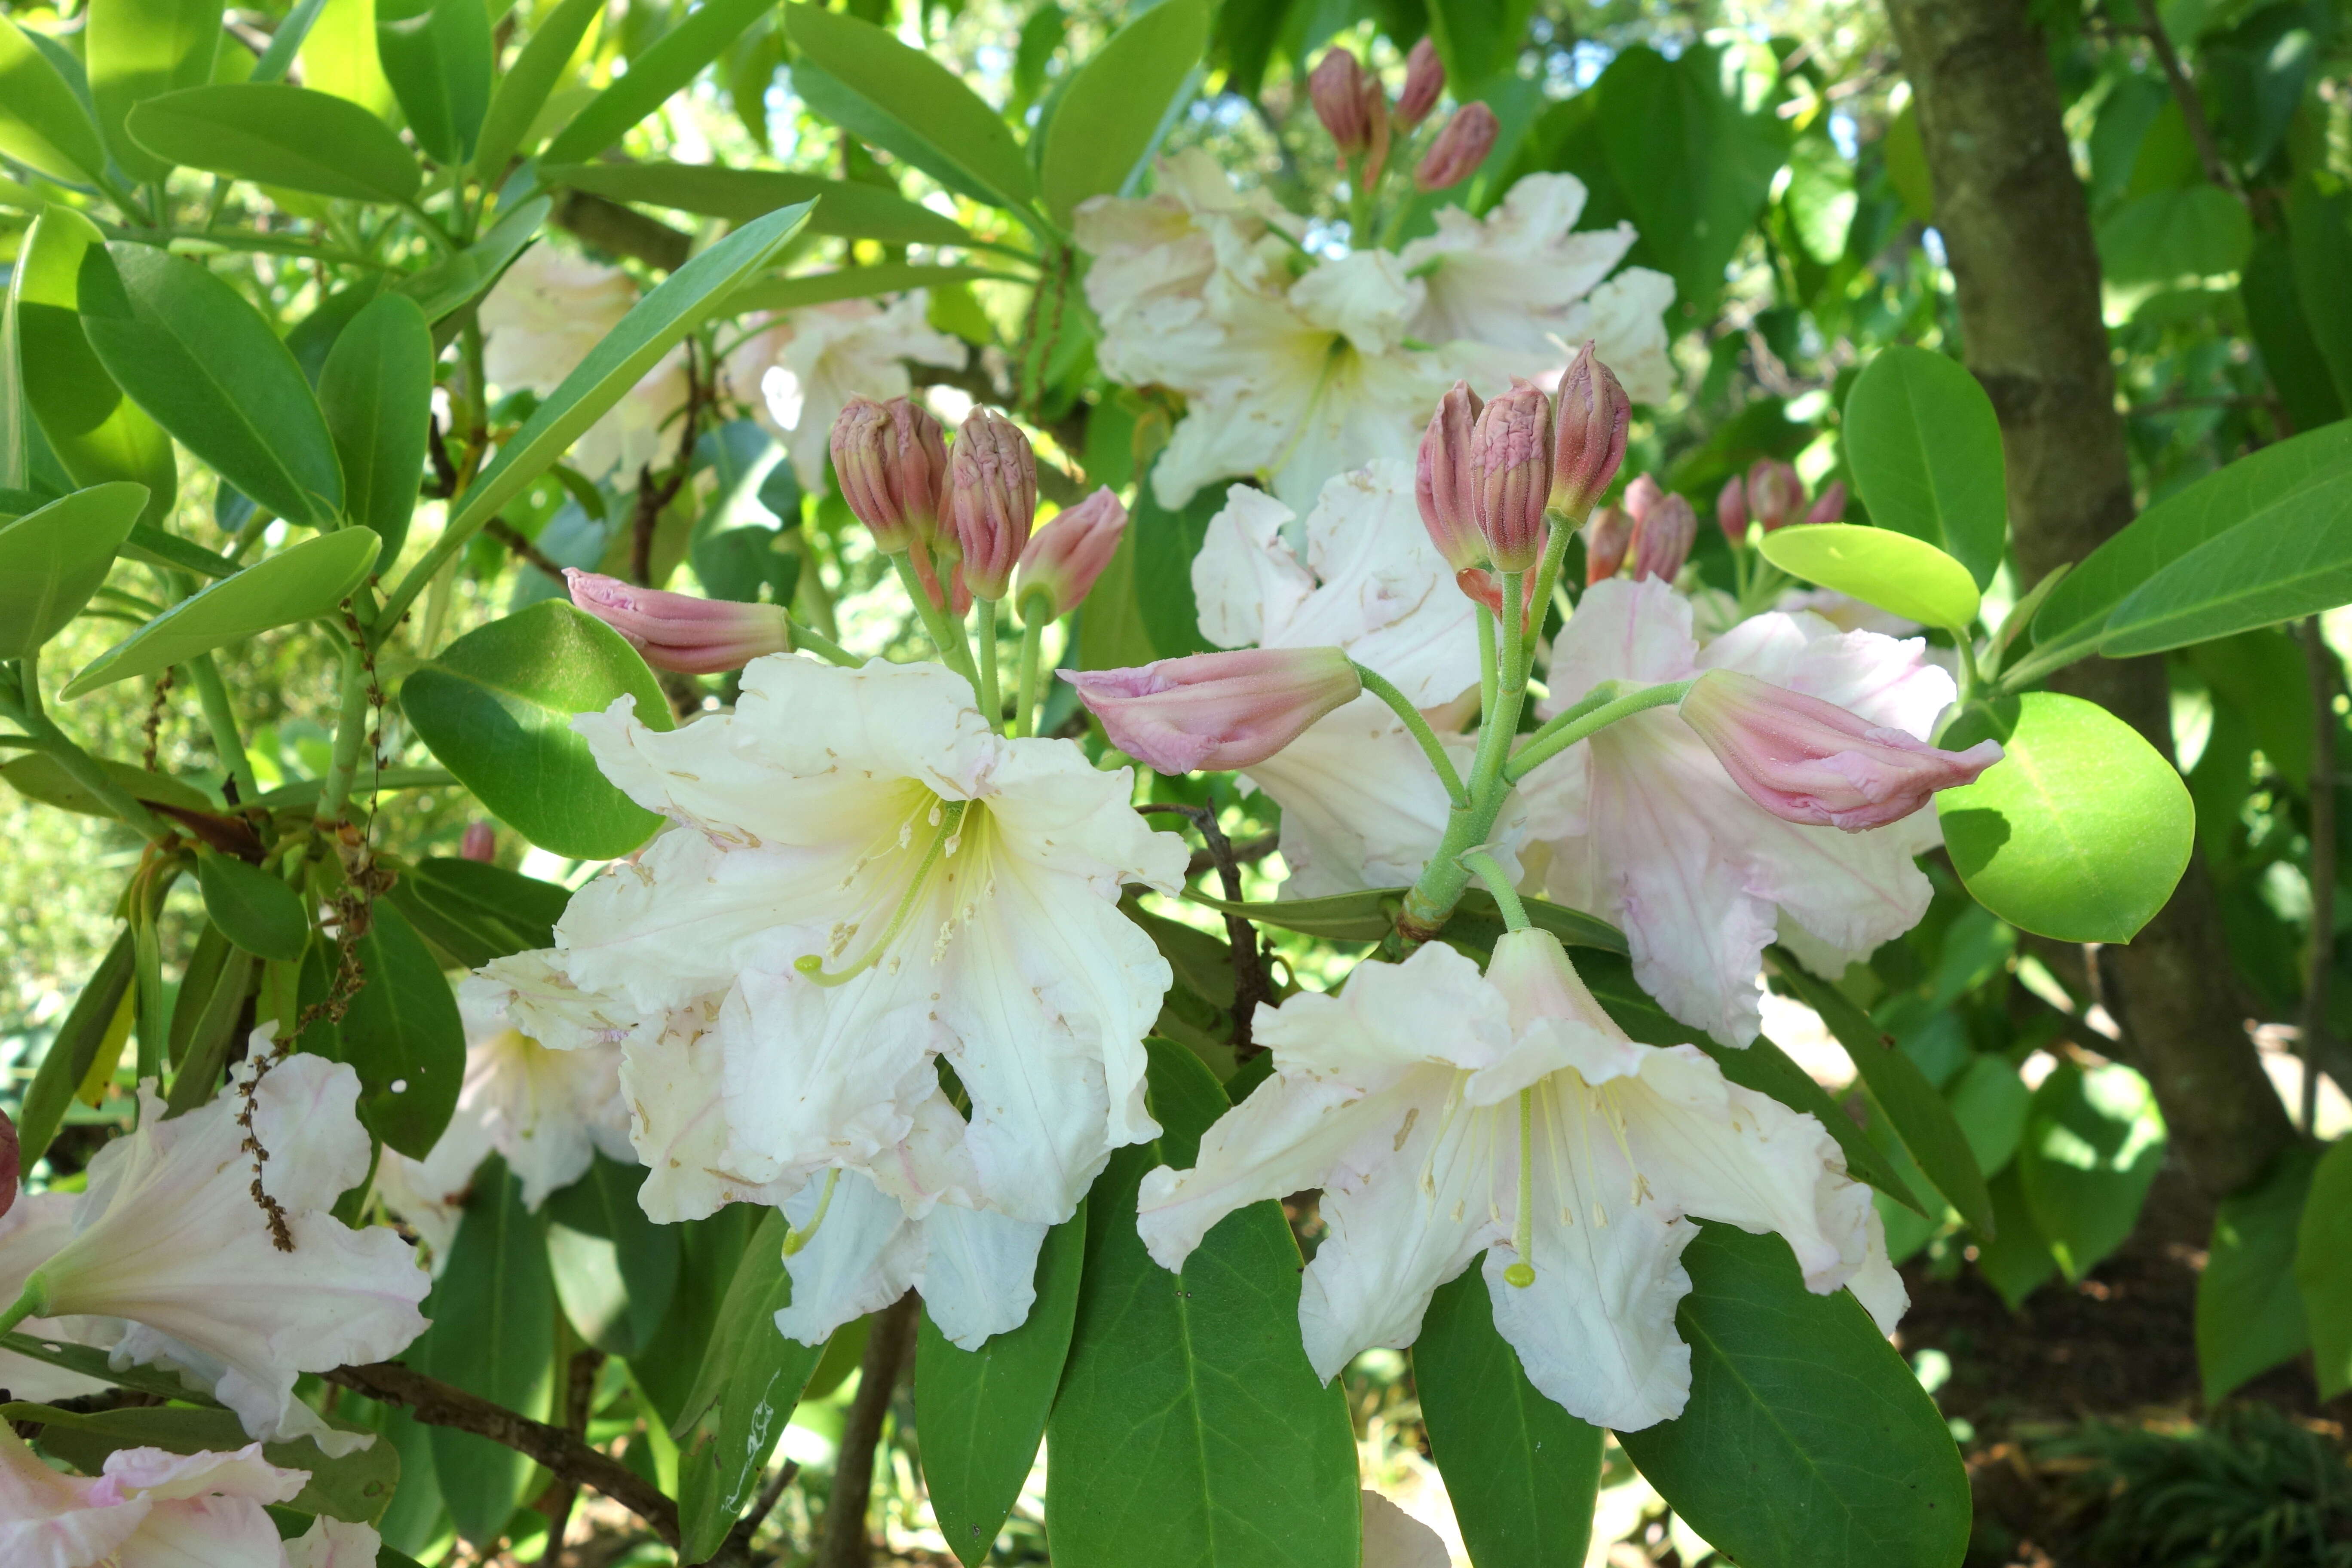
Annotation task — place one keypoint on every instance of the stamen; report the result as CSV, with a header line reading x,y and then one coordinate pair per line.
x,y
800,1236
1522,1274
947,822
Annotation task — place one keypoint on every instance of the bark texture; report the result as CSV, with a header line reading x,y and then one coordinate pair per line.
x,y
2017,227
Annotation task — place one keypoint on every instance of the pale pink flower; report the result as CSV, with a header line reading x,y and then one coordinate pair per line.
x,y
1063,559
545,316
146,1508
679,631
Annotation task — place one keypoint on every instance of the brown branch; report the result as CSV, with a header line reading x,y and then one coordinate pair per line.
x,y
437,1403
1250,986
847,1543
508,534
2192,107
652,498
1247,853
579,1399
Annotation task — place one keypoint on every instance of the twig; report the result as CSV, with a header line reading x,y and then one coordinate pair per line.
x,y
652,498
436,1403
2323,863
1247,853
847,1543
579,1395
508,534
1249,965
2192,107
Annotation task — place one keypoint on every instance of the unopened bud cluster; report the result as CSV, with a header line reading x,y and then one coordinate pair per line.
x,y
1649,528
1362,121
1772,496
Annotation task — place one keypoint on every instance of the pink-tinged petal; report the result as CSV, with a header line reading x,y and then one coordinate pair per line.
x,y
1216,711
1623,630
679,632
334,1543
1063,559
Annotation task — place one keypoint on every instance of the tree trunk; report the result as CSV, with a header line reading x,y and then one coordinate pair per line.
x,y
889,1345
2016,227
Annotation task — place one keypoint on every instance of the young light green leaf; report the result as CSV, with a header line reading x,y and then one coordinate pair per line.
x,y
1900,574
1111,114
847,207
496,705
137,49
848,283
2163,237
2249,1312
53,560
310,579
253,909
74,1049
279,135
522,92
2093,1143
37,775
2323,1268
2079,832
376,392
672,61
1990,1101
42,121
1924,448
437,55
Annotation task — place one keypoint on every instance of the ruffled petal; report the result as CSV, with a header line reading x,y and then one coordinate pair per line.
x,y
675,1083
1595,1331
531,992
334,1543
1245,578
866,1253
1435,1007
979,1272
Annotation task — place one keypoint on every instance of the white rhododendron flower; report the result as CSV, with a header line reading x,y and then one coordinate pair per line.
x,y
543,318
1646,829
168,1235
802,369
1425,1099
36,1226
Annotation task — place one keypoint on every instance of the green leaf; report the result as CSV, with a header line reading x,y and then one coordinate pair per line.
x,y
616,1270
983,1412
673,60
1522,1472
91,1362
1369,914
2093,1143
1900,574
847,283
376,392
1919,1115
1807,1442
2017,1261
294,584
474,912
252,908
905,102
355,1487
493,1315
2282,331
2297,563
497,706
443,288
2079,832
155,546
669,1370
2249,1313
96,433
2323,1268
138,48
2319,231
204,1026
188,349
522,92
1189,1428
1114,109
279,135
73,1050
2163,237
36,775
1476,38
401,1033
437,55
851,209
651,329
53,560
42,121
1925,446
1990,1101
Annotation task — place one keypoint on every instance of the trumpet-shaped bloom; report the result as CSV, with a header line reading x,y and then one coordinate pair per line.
x,y
803,367
865,875
1216,711
546,314
1404,1100
169,1236
35,1227
1647,830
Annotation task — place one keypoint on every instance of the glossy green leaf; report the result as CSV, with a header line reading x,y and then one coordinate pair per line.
x,y
72,1050
355,1487
1521,1471
204,1027
905,102
847,207
1476,38
36,775
2093,1143
96,433
2319,240
253,909
2194,231
92,1363
2016,1262
671,1369
376,392
138,48
1807,1442
401,1033
42,121
1924,448
474,912
2323,1268
1189,1428
522,92
437,55
452,281
848,283
53,560
673,60
1900,574
2249,1312
2082,829
151,544
1113,112
1990,1101
205,364
615,1269
279,135
306,580
983,1412
2296,563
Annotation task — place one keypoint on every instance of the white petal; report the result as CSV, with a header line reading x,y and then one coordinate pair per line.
x,y
1385,594
811,1077
1395,1539
1595,1332
1245,579
36,1226
531,992
1624,317
1364,296
48,1519
305,1113
1508,279
1435,1007
675,1084
203,1533
865,1255
979,1272
334,1543
1365,406
1624,630
1875,1284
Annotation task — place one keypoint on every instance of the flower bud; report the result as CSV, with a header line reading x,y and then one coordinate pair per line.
x,y
1588,434
1830,505
1065,556
1774,493
1486,588
1509,472
1812,761
892,462
1441,482
1424,79
481,843
1731,511
1337,91
679,632
1607,538
1531,969
1459,148
1641,496
1376,132
1662,537
1216,711
992,500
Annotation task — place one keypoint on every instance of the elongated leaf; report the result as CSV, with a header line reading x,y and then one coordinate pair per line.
x,y
401,1033
138,48
207,1031
2249,1312
1521,1471
2193,231
674,59
670,1370
437,55
1189,1428
279,135
912,105
53,560
355,1487
522,92
376,393
848,208
38,777
1807,1443
848,283
253,909
616,1270
153,545
2082,829
450,283
1900,574
1110,114
1925,446
91,1362
294,584
42,121
187,349
474,912
2297,562
72,1050
983,1412
2323,1268
2093,1143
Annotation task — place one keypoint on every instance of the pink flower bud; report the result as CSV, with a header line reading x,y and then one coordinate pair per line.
x,y
1424,79
1830,505
1662,537
1486,588
1065,556
1641,495
1441,482
1812,761
1731,511
1216,711
481,843
679,632
992,500
1376,123
1607,538
892,462
1774,493
1337,91
1509,472
1589,435
1459,148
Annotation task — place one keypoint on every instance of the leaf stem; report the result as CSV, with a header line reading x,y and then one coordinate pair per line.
x,y
1489,870
1557,736
1418,727
220,717
947,634
992,699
